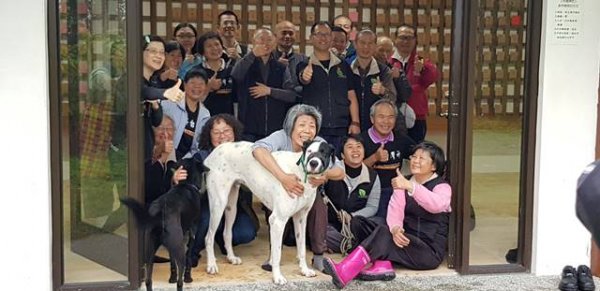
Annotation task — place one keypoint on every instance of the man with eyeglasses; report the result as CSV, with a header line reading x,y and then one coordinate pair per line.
x,y
420,73
227,28
327,85
346,24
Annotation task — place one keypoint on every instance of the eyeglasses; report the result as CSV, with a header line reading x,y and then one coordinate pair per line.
x,y
186,35
420,159
220,133
406,37
155,52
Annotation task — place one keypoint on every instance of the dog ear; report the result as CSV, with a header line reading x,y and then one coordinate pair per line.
x,y
306,144
331,155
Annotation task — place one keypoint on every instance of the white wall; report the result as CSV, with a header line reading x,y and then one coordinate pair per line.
x,y
568,93
25,206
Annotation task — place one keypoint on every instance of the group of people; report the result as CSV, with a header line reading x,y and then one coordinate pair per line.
x,y
201,91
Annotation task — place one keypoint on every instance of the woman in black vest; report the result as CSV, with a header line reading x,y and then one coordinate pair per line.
x,y
354,201
416,233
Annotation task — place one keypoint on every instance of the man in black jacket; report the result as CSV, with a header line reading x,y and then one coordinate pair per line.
x,y
327,85
264,88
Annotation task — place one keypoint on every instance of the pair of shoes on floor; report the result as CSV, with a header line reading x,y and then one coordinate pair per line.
x,y
573,280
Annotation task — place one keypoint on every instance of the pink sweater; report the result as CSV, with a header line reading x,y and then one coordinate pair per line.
x,y
435,201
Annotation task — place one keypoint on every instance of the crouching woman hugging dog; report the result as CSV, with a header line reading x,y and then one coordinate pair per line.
x,y
302,123
416,233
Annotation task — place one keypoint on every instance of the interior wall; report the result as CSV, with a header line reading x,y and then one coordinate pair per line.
x,y
565,137
25,147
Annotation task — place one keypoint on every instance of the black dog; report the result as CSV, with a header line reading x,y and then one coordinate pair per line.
x,y
168,218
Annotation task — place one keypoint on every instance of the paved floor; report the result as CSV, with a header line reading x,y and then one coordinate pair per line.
x,y
417,283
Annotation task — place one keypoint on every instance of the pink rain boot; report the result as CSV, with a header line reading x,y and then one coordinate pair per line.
x,y
347,269
380,270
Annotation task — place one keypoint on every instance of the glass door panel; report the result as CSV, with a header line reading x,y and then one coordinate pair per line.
x,y
93,139
496,131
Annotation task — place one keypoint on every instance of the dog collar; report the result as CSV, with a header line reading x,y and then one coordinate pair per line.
x,y
302,162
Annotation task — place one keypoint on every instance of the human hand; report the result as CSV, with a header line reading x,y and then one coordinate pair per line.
x,y
214,84
399,238
233,53
179,175
396,71
419,64
189,57
291,184
353,128
284,61
154,104
399,182
168,74
382,154
334,51
307,73
174,93
260,90
378,88
317,180
168,147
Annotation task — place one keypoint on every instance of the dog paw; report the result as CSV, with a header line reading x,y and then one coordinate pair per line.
x,y
234,260
279,279
212,269
308,272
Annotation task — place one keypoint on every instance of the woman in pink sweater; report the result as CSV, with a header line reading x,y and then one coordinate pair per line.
x,y
416,233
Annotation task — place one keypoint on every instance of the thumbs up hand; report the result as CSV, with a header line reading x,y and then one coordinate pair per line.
x,y
214,84
174,93
382,154
400,182
378,88
307,73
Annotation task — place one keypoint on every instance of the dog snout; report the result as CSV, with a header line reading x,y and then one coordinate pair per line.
x,y
313,164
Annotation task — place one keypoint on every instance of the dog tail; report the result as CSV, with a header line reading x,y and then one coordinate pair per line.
x,y
141,213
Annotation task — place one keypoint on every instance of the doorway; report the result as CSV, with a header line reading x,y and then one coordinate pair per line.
x,y
485,50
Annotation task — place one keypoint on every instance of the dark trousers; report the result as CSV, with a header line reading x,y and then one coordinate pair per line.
x,y
243,231
361,227
418,131
316,226
417,255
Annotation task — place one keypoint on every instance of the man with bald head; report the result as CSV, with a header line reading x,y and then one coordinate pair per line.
x,y
264,88
286,32
344,22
